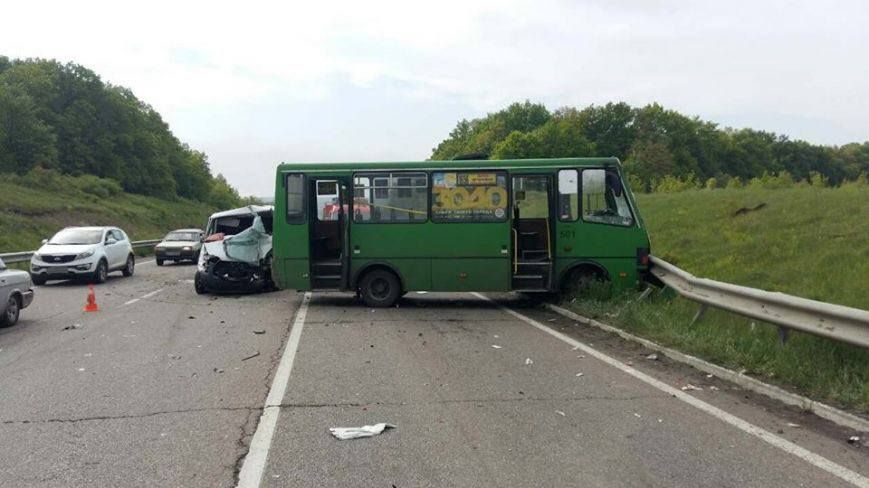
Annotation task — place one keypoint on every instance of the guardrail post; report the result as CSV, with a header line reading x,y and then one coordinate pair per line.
x,y
783,334
644,294
699,315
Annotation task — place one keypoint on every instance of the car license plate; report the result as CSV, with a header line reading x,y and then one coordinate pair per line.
x,y
173,253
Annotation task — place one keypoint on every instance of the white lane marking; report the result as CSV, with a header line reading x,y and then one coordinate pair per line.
x,y
789,447
149,295
254,464
146,295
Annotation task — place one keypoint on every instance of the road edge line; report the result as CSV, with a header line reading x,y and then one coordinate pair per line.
x,y
785,445
253,467
822,410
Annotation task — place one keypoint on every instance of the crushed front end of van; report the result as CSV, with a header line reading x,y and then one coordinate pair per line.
x,y
237,263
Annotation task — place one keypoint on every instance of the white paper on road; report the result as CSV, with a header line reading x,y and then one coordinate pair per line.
x,y
345,433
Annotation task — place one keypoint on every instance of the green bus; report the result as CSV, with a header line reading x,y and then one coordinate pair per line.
x,y
384,229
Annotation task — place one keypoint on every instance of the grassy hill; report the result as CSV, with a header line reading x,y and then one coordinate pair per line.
x,y
35,206
809,242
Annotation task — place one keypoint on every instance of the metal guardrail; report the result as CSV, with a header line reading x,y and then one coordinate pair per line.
x,y
21,257
828,320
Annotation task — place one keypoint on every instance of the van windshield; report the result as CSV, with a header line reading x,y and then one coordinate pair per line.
x,y
230,225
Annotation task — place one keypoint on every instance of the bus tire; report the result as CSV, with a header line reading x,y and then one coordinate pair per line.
x,y
580,280
379,288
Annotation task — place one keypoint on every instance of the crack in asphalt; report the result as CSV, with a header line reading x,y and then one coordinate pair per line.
x,y
481,401
131,416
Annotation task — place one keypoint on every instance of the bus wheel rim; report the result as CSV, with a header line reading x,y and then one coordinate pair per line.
x,y
380,288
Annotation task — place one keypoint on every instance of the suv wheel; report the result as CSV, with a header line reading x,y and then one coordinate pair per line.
x,y
130,266
102,272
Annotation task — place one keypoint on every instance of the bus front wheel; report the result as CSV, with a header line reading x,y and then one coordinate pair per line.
x,y
379,288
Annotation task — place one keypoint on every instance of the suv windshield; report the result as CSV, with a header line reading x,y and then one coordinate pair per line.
x,y
182,236
77,236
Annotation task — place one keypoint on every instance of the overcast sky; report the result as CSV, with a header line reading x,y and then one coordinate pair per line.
x,y
256,83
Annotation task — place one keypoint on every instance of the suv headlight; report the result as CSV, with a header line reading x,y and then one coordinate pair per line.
x,y
85,254
36,256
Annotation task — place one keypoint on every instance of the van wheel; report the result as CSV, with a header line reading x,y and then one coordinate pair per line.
x,y
198,284
379,288
130,267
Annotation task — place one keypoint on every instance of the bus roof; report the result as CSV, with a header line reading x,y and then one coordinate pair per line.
x,y
450,164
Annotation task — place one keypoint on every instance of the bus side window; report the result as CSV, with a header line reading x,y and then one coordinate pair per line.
x,y
295,200
568,195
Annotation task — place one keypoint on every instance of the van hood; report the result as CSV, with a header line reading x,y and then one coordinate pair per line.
x,y
65,248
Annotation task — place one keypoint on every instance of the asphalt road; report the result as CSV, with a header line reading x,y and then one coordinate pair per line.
x,y
155,390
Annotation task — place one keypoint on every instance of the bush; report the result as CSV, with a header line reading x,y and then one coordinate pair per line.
x,y
711,184
734,182
674,184
772,181
101,187
817,179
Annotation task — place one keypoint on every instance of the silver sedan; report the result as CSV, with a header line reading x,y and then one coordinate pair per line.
x,y
16,292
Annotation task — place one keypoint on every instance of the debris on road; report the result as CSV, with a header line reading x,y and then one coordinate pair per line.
x,y
854,440
191,317
495,346
81,369
251,356
551,320
73,327
690,387
793,425
559,412
575,348
259,332
345,433
714,388
580,375
637,415
581,356
528,362
218,370
652,357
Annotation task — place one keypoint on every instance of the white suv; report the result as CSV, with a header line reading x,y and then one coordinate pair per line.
x,y
83,252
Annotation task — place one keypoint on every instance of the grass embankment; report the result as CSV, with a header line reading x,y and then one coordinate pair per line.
x,y
35,206
808,242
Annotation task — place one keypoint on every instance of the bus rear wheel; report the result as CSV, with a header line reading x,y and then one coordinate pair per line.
x,y
379,288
